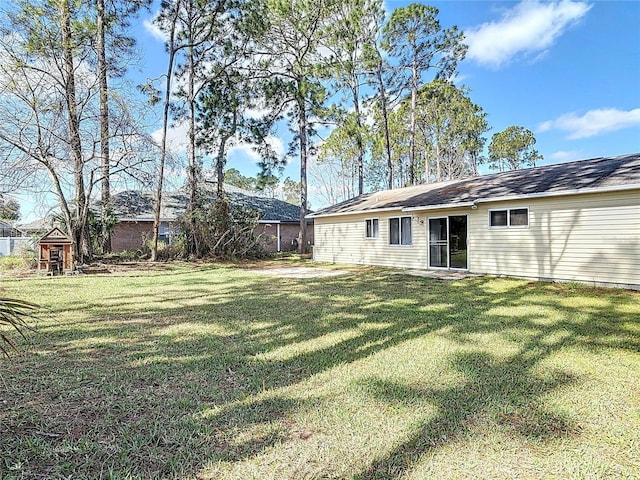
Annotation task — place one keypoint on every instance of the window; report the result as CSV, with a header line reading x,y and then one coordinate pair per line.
x,y
519,217
509,218
400,231
372,227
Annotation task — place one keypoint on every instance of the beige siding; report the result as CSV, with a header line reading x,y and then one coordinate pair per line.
x,y
343,240
589,238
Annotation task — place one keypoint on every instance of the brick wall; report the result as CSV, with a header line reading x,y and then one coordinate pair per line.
x,y
288,233
129,235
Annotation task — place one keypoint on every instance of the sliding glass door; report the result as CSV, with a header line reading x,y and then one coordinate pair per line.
x,y
448,242
438,242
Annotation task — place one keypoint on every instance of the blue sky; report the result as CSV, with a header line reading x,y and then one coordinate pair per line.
x,y
567,70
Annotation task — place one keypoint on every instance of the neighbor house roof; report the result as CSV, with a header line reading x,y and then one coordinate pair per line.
x,y
584,176
138,206
39,226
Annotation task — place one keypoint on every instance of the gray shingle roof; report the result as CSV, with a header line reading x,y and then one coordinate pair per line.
x,y
584,175
136,205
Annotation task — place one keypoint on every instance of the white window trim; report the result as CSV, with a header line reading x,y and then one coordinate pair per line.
x,y
508,225
403,245
365,228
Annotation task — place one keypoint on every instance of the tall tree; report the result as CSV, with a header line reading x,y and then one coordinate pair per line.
x,y
414,36
231,95
288,54
80,225
49,110
512,149
344,150
353,31
167,21
44,45
199,32
450,127
389,149
109,21
378,69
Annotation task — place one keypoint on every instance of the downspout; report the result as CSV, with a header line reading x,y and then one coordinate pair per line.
x,y
278,249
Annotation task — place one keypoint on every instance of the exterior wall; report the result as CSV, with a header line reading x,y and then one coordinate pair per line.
x,y
343,240
288,233
129,235
591,238
14,245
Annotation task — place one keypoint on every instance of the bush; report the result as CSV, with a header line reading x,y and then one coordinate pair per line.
x,y
26,261
222,231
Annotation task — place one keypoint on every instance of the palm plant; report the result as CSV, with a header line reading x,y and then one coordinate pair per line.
x,y
15,313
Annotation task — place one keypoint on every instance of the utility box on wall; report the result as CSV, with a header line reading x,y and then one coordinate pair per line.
x,y
55,253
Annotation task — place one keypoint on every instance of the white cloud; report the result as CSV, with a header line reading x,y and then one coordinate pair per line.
x,y
177,137
566,155
246,149
528,29
593,123
152,29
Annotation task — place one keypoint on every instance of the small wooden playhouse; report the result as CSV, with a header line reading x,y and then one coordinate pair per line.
x,y
55,253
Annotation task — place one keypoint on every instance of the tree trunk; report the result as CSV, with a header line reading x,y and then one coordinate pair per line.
x,y
79,227
104,120
412,125
165,126
191,154
302,133
385,121
359,141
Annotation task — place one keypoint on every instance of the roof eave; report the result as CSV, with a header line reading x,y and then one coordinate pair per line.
x,y
561,193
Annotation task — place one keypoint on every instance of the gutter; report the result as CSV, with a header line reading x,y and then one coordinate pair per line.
x,y
339,214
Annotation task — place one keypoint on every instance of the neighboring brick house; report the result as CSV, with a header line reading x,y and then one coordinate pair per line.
x,y
279,221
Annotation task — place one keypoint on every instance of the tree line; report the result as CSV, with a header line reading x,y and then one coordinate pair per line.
x,y
369,100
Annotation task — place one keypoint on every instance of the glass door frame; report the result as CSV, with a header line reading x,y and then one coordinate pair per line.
x,y
429,244
446,217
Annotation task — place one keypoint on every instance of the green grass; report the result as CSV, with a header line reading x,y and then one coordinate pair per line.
x,y
214,372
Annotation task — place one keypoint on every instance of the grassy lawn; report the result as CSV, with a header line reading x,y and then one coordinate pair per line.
x,y
215,372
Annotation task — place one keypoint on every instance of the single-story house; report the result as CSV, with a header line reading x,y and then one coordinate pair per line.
x,y
576,221
279,222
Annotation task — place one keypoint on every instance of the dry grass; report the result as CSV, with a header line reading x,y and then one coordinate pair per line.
x,y
213,372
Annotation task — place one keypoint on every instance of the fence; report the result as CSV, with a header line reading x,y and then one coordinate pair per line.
x,y
14,245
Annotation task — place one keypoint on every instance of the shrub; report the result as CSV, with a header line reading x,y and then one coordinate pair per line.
x,y
222,231
25,261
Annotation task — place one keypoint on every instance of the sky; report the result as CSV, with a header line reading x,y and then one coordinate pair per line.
x,y
567,70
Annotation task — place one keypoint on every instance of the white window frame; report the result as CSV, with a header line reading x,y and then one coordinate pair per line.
x,y
400,231
508,225
376,234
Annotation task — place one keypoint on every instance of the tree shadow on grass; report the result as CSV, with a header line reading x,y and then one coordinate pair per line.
x,y
503,391
274,333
